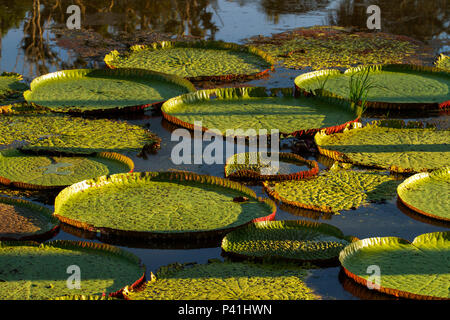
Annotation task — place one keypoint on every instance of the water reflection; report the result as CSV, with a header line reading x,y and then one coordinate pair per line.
x,y
422,20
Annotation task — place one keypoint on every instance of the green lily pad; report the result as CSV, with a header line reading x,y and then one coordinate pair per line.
x,y
252,166
24,220
323,47
443,62
37,272
199,60
335,190
295,240
226,281
89,90
423,193
254,109
84,297
39,171
170,204
73,135
417,270
392,86
11,90
388,145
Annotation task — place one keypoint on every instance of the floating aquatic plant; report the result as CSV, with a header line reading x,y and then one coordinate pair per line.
x,y
443,62
256,109
427,193
43,172
336,190
11,90
32,271
335,47
160,205
252,166
417,270
25,220
226,281
392,145
73,135
294,240
197,61
95,91
386,87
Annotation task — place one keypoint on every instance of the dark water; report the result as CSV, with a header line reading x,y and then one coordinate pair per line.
x,y
29,46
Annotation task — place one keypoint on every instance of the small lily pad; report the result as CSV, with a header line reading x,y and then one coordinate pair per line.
x,y
294,240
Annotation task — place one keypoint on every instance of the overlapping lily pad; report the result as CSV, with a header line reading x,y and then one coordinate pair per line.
x,y
335,190
11,90
228,110
417,270
24,220
74,135
295,240
91,90
402,87
427,193
392,145
323,47
36,272
226,281
253,166
201,60
44,172
161,205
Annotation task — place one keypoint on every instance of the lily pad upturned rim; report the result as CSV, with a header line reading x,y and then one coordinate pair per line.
x,y
342,157
205,44
167,176
402,188
246,93
355,246
376,105
41,210
29,186
321,227
255,176
89,247
122,72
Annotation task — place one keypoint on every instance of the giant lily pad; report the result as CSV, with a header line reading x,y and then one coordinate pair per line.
x,y
254,109
73,135
89,90
162,205
199,60
36,272
252,166
427,193
335,190
417,270
323,47
390,145
11,90
226,281
295,240
404,87
42,172
24,220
